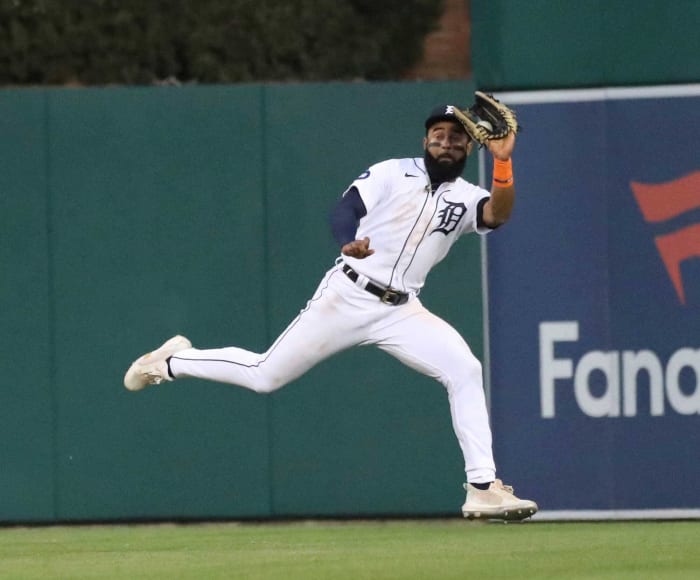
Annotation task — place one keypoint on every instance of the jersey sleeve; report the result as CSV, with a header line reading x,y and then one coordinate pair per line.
x,y
480,196
373,183
481,227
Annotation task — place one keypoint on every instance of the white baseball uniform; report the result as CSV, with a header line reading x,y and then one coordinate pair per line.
x,y
411,228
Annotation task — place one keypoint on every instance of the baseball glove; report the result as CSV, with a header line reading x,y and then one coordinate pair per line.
x,y
487,119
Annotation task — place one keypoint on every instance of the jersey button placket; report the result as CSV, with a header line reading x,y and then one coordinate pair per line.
x,y
414,238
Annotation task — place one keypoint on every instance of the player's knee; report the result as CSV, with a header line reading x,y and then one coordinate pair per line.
x,y
474,371
463,372
269,384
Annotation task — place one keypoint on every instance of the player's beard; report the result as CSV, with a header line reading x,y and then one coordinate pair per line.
x,y
440,172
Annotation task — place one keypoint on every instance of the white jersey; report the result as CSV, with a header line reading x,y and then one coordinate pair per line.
x,y
410,227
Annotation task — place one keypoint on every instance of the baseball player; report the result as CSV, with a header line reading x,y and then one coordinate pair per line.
x,y
395,222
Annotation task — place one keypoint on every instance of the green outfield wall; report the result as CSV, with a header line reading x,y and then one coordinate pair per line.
x,y
538,44
130,214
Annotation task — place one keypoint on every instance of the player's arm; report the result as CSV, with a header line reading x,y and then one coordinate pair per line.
x,y
497,209
345,218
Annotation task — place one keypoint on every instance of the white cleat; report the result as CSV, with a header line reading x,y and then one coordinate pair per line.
x,y
498,502
152,368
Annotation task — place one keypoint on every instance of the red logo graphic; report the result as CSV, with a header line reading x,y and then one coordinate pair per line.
x,y
668,200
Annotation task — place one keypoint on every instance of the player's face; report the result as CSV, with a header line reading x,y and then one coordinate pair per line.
x,y
447,142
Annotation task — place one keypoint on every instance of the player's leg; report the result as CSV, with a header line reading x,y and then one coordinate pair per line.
x,y
320,330
430,345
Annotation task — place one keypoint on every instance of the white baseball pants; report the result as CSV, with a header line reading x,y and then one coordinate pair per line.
x,y
340,315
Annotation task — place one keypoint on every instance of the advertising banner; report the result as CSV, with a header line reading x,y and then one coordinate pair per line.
x,y
594,302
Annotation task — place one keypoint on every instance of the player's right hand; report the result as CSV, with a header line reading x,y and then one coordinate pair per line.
x,y
357,249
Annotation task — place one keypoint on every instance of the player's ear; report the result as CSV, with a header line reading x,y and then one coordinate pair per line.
x,y
425,143
470,146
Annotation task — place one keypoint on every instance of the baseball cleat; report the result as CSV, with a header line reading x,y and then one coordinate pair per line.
x,y
152,368
498,502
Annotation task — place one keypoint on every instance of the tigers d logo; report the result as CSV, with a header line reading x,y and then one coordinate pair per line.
x,y
449,217
663,202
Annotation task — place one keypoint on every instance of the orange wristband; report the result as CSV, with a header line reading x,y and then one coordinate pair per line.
x,y
502,173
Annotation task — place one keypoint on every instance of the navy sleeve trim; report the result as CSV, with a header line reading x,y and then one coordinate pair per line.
x,y
480,214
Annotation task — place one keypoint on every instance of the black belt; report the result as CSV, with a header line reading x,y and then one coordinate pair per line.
x,y
386,295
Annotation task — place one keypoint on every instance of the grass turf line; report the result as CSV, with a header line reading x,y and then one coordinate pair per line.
x,y
425,549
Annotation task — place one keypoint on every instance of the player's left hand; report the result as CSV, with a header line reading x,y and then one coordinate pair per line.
x,y
502,149
357,249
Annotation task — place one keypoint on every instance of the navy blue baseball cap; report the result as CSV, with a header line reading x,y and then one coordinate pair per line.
x,y
442,113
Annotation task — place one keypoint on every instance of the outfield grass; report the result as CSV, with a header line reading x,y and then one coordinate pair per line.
x,y
430,549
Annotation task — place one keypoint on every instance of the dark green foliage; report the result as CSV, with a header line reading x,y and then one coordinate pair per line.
x,y
91,42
